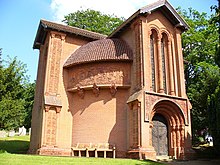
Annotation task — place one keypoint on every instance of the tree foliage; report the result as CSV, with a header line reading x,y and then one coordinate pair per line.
x,y
15,98
93,20
28,95
200,45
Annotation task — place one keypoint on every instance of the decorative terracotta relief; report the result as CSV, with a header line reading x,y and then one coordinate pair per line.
x,y
99,75
51,126
152,99
54,62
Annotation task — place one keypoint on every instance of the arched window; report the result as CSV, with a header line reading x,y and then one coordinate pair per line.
x,y
160,64
153,49
163,58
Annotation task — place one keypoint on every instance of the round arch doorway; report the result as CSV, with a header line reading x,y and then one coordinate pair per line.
x,y
160,135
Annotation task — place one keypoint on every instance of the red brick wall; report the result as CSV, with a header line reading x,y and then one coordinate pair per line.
x,y
100,119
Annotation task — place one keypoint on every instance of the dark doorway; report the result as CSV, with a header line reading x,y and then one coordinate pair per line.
x,y
160,135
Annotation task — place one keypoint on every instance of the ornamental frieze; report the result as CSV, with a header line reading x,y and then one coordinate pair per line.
x,y
101,74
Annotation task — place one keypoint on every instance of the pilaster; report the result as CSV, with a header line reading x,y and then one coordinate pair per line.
x,y
138,55
53,64
180,68
170,58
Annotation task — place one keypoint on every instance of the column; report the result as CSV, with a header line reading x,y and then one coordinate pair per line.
x,y
160,70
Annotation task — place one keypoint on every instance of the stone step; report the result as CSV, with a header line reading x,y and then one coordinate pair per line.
x,y
164,158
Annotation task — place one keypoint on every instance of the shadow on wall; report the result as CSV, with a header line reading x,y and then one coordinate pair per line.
x,y
118,134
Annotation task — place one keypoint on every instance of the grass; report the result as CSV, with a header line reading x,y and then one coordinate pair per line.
x,y
13,149
16,144
20,159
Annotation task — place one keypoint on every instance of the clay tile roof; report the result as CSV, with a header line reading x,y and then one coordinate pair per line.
x,y
161,5
73,30
48,25
101,50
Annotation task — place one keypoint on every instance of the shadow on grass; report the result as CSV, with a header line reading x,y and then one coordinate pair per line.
x,y
207,153
149,162
14,146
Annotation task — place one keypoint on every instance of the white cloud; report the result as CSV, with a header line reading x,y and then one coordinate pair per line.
x,y
120,8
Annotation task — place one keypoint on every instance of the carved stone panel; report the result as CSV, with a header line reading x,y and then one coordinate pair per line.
x,y
99,74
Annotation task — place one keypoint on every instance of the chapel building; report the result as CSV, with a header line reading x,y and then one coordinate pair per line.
x,y
126,90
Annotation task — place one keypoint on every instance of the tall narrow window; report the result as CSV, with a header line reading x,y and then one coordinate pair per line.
x,y
152,62
163,50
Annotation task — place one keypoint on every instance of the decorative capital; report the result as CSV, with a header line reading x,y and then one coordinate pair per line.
x,y
52,35
47,108
63,37
159,37
54,108
81,92
58,109
113,90
139,104
95,90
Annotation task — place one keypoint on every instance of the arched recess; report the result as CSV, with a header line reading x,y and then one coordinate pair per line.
x,y
165,64
154,58
175,124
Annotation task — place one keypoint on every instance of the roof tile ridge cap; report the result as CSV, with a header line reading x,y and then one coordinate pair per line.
x,y
44,21
155,4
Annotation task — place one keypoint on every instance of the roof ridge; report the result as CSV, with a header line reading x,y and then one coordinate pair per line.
x,y
72,27
45,24
160,2
148,9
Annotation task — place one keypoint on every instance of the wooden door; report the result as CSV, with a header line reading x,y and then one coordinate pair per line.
x,y
160,135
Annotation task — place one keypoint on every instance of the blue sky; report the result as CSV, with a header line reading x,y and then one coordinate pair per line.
x,y
20,20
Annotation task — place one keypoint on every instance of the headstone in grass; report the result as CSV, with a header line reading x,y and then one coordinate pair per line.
x,y
11,133
29,131
22,131
3,134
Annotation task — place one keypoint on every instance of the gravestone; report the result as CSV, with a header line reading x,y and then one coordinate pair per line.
x,y
11,133
22,131
29,131
19,130
3,134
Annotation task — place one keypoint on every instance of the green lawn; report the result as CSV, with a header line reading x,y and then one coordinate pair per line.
x,y
16,144
13,149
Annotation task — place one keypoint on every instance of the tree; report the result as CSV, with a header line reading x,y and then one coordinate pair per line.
x,y
202,72
93,20
28,95
14,97
214,99
0,58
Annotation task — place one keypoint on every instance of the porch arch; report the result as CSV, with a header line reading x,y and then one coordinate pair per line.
x,y
176,125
